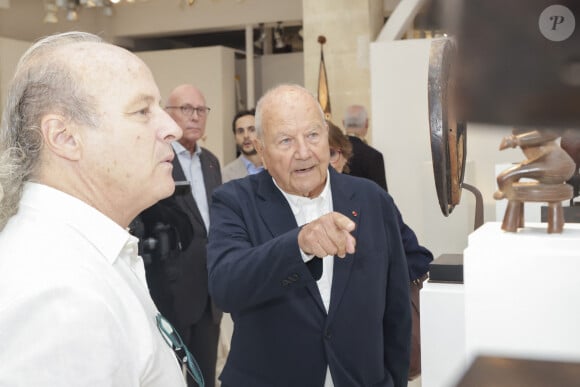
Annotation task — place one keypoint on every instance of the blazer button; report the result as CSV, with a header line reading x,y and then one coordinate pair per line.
x,y
327,335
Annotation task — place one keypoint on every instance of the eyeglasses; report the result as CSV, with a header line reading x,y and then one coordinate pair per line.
x,y
334,154
172,338
188,110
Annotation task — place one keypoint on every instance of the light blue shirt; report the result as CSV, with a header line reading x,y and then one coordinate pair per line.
x,y
250,167
191,165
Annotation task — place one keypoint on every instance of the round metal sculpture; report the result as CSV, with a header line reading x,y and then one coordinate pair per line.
x,y
448,136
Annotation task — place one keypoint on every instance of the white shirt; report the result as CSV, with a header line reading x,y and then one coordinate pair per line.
x,y
191,165
74,305
306,210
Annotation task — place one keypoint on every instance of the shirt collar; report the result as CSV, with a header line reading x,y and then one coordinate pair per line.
x,y
180,149
297,202
101,231
247,162
250,167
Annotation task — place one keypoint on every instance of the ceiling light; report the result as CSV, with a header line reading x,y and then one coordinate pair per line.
x,y
260,41
50,16
73,7
72,14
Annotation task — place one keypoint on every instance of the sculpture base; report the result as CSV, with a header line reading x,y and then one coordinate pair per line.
x,y
520,293
447,268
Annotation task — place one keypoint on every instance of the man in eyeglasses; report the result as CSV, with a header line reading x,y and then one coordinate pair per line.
x,y
309,262
193,313
84,148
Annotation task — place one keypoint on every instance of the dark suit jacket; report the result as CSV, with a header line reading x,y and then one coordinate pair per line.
x,y
367,162
418,257
283,335
189,288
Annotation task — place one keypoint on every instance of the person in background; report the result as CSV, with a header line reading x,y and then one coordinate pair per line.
x,y
340,148
196,317
366,161
281,239
418,257
248,162
84,148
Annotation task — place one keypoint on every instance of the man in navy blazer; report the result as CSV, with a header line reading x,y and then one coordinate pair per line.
x,y
309,262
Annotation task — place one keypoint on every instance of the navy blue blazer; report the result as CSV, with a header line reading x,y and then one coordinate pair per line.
x,y
282,333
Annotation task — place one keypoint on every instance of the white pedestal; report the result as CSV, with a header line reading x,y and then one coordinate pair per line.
x,y
442,334
522,293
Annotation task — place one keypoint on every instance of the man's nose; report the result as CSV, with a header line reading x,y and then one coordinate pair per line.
x,y
302,149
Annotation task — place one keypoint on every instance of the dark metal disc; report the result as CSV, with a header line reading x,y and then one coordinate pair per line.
x,y
448,136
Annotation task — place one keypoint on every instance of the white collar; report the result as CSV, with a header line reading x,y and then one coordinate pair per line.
x,y
296,202
106,235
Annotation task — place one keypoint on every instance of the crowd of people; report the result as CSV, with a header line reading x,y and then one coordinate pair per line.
x,y
129,257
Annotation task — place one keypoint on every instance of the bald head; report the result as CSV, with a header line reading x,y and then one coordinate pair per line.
x,y
288,100
76,104
187,106
356,120
293,140
182,92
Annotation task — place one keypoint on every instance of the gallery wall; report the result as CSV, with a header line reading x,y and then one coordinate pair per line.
x,y
400,125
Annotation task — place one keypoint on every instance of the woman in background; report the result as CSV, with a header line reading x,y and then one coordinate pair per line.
x,y
340,148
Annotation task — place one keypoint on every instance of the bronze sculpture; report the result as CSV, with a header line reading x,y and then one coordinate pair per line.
x,y
549,167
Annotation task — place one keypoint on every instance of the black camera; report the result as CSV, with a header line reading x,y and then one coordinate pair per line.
x,y
163,231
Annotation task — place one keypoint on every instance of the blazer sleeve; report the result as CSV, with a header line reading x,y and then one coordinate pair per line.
x,y
246,265
418,257
397,317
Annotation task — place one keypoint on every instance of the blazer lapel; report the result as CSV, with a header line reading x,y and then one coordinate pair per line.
x,y
278,217
343,202
186,199
211,174
274,208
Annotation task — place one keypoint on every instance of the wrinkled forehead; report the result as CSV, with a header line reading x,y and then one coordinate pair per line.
x,y
294,106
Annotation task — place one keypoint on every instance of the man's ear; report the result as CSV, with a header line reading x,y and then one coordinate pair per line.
x,y
259,147
60,136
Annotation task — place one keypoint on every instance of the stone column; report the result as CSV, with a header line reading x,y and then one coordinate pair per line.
x,y
349,26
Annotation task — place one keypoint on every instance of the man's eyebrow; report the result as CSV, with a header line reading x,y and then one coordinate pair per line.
x,y
141,98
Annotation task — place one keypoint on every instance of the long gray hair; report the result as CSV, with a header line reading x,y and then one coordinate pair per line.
x,y
44,82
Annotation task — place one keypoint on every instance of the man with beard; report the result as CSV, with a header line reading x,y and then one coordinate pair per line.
x,y
248,162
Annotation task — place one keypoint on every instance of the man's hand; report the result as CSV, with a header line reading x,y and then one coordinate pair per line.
x,y
328,235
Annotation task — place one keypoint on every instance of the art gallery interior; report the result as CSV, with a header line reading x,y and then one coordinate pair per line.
x,y
377,53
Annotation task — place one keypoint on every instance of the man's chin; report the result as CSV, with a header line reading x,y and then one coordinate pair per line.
x,y
251,153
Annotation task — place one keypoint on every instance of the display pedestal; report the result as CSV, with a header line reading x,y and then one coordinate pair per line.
x,y
442,334
521,293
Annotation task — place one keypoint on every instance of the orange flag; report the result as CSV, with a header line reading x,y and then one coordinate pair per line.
x,y
323,95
